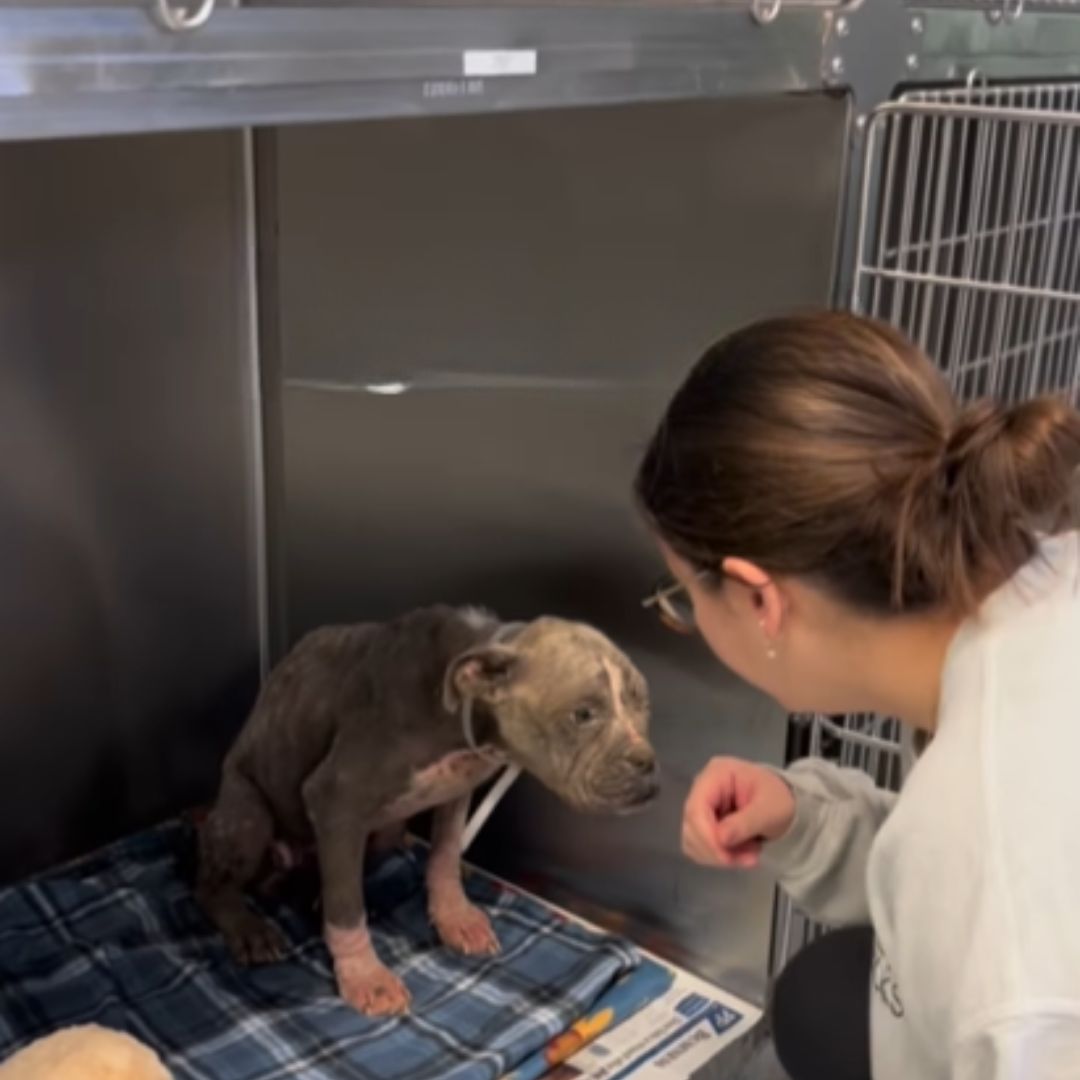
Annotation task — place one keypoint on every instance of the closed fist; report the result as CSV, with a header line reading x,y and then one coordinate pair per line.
x,y
733,808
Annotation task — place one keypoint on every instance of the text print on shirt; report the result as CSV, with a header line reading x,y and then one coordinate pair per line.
x,y
884,983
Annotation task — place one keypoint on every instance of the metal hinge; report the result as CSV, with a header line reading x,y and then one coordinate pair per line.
x,y
764,12
183,16
1007,11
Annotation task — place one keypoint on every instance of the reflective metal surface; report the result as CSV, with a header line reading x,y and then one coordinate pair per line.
x,y
1001,10
956,43
127,597
88,70
70,67
479,321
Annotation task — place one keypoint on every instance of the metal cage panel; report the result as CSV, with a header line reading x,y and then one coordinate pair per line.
x,y
970,236
1001,9
969,242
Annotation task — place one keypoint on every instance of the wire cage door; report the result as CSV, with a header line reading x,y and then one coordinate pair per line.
x,y
969,242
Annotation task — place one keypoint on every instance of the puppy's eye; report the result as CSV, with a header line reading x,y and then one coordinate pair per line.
x,y
584,714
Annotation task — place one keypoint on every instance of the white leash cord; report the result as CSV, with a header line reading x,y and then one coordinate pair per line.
x,y
488,804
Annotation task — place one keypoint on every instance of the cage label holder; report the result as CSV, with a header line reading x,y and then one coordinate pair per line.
x,y
499,63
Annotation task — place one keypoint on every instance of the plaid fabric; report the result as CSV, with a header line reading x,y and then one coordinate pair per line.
x,y
116,939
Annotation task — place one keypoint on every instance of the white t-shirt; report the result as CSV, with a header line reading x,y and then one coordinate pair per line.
x,y
971,876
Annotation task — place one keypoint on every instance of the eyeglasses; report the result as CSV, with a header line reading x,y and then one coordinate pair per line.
x,y
673,605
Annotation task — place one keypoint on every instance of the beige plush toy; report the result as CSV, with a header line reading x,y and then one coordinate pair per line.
x,y
85,1053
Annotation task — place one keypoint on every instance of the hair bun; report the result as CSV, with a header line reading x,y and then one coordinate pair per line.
x,y
976,427
1009,474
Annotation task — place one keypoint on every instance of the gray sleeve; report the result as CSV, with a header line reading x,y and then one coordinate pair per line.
x,y
820,862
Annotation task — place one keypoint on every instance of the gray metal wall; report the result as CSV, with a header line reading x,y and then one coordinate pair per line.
x,y
127,610
537,284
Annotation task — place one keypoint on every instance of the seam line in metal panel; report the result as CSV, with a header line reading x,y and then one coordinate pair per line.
x,y
253,375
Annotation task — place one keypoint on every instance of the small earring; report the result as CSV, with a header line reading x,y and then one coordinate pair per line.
x,y
770,653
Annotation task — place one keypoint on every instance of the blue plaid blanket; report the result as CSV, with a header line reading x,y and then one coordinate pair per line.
x,y
116,939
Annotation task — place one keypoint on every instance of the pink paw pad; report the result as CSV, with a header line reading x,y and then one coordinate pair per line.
x,y
466,929
363,980
372,989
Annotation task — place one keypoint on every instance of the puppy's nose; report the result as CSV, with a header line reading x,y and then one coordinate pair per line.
x,y
643,760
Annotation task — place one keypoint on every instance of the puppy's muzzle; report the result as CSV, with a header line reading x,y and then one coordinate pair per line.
x,y
631,781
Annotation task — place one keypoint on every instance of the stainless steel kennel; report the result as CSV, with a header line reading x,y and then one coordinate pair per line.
x,y
318,310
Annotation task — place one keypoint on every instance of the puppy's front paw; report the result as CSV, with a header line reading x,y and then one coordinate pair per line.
x,y
371,988
464,928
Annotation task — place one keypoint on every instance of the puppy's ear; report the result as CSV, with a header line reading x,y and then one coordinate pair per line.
x,y
484,673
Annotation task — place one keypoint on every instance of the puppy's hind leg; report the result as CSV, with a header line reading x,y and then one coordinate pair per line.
x,y
233,842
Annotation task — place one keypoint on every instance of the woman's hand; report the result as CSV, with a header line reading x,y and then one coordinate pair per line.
x,y
733,808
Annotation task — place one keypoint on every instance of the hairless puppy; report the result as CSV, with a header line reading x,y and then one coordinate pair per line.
x,y
361,727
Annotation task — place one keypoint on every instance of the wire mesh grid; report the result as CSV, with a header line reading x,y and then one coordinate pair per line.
x,y
970,237
970,243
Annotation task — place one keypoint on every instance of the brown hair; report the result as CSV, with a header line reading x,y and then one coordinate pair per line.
x,y
828,446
